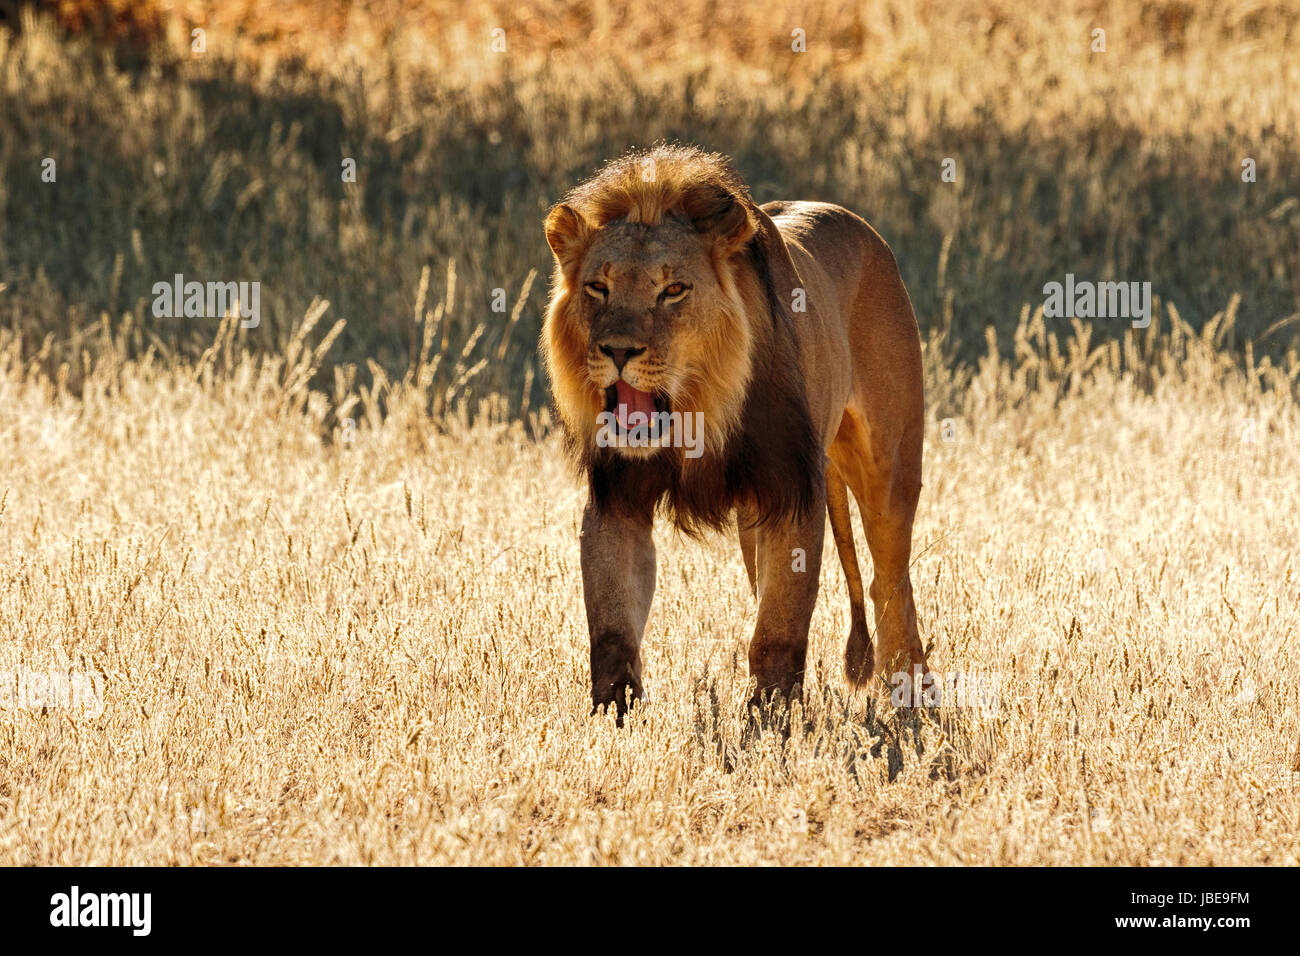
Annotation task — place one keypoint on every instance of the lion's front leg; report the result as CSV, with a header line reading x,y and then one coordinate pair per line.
x,y
618,583
789,566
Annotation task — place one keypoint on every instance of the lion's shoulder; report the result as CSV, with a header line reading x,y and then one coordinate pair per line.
x,y
831,234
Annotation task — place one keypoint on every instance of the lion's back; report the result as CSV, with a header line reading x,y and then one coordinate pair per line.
x,y
839,240
854,283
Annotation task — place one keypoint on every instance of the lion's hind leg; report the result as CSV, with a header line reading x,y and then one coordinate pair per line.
x,y
884,474
859,662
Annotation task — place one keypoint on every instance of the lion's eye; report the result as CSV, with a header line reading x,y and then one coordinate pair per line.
x,y
674,291
597,289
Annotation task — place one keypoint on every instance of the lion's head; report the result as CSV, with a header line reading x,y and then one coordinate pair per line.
x,y
673,362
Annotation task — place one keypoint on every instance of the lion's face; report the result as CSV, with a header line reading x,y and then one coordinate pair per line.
x,y
648,327
668,303
657,320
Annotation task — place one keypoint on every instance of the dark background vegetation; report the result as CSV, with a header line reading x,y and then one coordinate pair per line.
x,y
226,166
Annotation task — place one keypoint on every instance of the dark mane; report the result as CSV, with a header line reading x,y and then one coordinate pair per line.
x,y
772,467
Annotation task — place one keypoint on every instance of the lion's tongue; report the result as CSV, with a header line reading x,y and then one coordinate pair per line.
x,y
633,400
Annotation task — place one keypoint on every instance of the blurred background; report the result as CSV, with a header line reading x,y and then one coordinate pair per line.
x,y
209,139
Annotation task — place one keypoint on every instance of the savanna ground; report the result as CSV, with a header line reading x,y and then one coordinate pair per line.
x,y
327,568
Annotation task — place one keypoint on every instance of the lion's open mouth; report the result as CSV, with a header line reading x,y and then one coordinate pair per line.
x,y
633,408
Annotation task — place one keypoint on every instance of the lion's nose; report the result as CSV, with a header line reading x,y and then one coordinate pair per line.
x,y
621,356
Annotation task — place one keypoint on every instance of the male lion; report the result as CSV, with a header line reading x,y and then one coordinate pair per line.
x,y
787,328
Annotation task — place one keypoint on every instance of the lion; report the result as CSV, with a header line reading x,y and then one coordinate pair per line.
x,y
711,359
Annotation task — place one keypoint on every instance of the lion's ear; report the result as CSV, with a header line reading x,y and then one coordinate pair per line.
x,y
716,212
567,233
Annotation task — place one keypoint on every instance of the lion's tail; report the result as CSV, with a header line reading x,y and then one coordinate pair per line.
x,y
859,657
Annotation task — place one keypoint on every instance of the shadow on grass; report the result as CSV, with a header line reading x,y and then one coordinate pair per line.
x,y
200,171
857,730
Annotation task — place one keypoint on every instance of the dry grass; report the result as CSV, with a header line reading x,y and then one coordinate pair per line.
x,y
373,650
327,570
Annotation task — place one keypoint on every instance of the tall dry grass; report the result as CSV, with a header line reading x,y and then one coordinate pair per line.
x,y
326,569
370,648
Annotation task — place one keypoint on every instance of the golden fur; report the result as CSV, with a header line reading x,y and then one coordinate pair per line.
x,y
682,180
787,328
